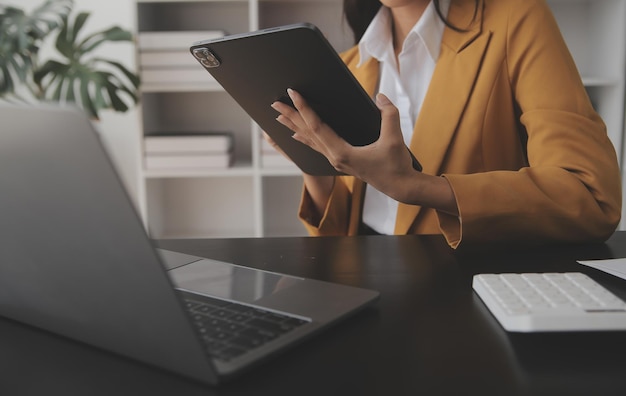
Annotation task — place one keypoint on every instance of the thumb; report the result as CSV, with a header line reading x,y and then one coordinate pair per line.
x,y
390,118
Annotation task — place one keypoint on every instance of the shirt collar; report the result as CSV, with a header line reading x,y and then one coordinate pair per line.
x,y
376,41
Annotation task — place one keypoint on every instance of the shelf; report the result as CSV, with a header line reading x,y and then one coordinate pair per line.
x,y
280,171
238,170
601,82
180,87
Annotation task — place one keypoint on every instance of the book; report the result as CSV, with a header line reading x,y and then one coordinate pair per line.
x,y
166,59
216,142
188,161
175,40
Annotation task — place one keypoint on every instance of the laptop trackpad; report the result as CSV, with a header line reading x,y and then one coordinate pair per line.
x,y
230,281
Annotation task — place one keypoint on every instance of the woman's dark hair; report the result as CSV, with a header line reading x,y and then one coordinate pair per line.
x,y
359,14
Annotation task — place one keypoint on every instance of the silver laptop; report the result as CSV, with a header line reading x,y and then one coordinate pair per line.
x,y
75,260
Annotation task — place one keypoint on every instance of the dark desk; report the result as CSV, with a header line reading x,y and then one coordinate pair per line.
x,y
428,335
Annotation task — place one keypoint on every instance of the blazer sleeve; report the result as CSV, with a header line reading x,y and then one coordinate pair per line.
x,y
337,217
570,191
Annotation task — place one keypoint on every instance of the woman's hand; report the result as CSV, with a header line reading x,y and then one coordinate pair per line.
x,y
385,164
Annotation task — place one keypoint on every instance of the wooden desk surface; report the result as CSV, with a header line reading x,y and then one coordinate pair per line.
x,y
429,334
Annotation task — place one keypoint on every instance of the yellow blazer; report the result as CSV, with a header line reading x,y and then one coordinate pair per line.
x,y
508,122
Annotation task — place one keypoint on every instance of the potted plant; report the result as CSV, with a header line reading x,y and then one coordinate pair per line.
x,y
75,74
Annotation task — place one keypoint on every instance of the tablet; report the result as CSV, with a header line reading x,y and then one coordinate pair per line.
x,y
256,68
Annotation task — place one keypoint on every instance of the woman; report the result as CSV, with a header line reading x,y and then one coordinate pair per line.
x,y
490,102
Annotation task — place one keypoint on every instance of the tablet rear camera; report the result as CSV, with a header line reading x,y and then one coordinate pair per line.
x,y
206,57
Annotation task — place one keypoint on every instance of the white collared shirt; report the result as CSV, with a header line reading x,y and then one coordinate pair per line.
x,y
405,84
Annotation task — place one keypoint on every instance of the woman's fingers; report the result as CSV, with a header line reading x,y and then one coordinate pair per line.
x,y
309,116
317,134
310,130
289,116
390,130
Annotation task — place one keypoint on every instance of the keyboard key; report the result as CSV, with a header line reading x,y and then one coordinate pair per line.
x,y
227,353
229,329
267,326
205,309
191,304
247,343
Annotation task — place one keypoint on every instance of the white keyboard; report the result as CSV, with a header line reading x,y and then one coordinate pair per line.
x,y
550,302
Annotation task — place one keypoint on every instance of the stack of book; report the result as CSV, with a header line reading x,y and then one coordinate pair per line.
x,y
188,151
270,158
164,57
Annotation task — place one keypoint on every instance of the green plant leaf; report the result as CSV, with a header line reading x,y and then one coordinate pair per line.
x,y
96,39
79,22
56,95
6,82
132,77
21,35
99,100
53,68
62,44
98,89
117,103
19,67
76,76
70,96
49,14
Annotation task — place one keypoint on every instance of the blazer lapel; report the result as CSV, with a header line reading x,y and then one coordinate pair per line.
x,y
450,88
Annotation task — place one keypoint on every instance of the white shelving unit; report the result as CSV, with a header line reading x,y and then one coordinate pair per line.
x,y
248,200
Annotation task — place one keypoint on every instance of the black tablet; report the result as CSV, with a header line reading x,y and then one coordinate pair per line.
x,y
256,68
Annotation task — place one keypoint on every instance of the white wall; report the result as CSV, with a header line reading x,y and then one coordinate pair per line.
x,y
119,131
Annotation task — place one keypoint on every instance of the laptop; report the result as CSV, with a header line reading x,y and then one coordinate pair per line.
x,y
76,261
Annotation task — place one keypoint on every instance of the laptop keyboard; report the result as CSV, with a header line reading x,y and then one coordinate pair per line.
x,y
229,329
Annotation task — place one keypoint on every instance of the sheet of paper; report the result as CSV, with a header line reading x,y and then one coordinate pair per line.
x,y
615,267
